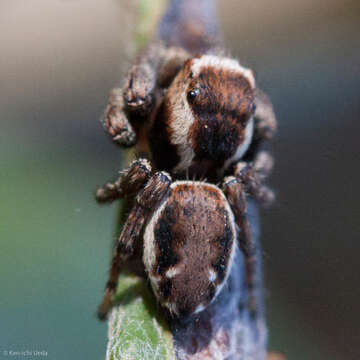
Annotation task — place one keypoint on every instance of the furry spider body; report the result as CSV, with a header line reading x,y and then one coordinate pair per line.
x,y
195,116
186,231
189,244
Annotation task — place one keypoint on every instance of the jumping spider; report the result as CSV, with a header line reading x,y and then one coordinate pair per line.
x,y
184,231
197,117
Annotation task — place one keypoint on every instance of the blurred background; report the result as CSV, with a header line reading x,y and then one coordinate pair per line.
x,y
58,60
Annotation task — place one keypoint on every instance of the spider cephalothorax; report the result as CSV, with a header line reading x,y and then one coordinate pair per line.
x,y
205,120
202,112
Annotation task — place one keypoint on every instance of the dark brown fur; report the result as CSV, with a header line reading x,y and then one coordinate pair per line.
x,y
221,110
194,235
129,183
156,188
160,143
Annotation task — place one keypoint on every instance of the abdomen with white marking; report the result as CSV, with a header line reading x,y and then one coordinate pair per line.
x,y
189,243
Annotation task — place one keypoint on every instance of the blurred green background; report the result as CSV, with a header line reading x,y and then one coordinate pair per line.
x,y
58,59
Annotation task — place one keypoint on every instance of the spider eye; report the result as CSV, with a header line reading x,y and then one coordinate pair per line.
x,y
191,95
253,108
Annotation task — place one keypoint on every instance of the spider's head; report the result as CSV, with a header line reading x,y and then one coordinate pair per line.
x,y
205,121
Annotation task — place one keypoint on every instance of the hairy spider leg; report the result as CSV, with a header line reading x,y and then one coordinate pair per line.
x,y
129,183
129,107
265,120
265,123
116,122
154,191
253,175
248,180
235,194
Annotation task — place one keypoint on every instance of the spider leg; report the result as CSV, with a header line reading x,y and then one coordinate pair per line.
x,y
263,164
234,190
155,190
253,175
137,97
155,67
248,179
129,182
265,120
140,84
115,120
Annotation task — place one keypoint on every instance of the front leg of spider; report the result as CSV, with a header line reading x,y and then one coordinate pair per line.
x,y
129,107
136,99
140,86
154,69
154,191
116,122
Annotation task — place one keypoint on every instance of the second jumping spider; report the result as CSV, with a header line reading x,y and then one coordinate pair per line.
x,y
184,231
194,117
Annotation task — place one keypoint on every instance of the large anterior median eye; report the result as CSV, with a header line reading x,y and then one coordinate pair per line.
x,y
191,95
253,108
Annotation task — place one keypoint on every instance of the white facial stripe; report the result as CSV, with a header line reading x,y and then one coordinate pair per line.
x,y
180,125
223,63
249,131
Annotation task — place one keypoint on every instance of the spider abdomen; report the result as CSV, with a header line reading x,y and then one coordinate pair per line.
x,y
189,243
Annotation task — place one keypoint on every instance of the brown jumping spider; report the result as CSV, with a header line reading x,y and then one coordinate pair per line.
x,y
185,231
197,117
